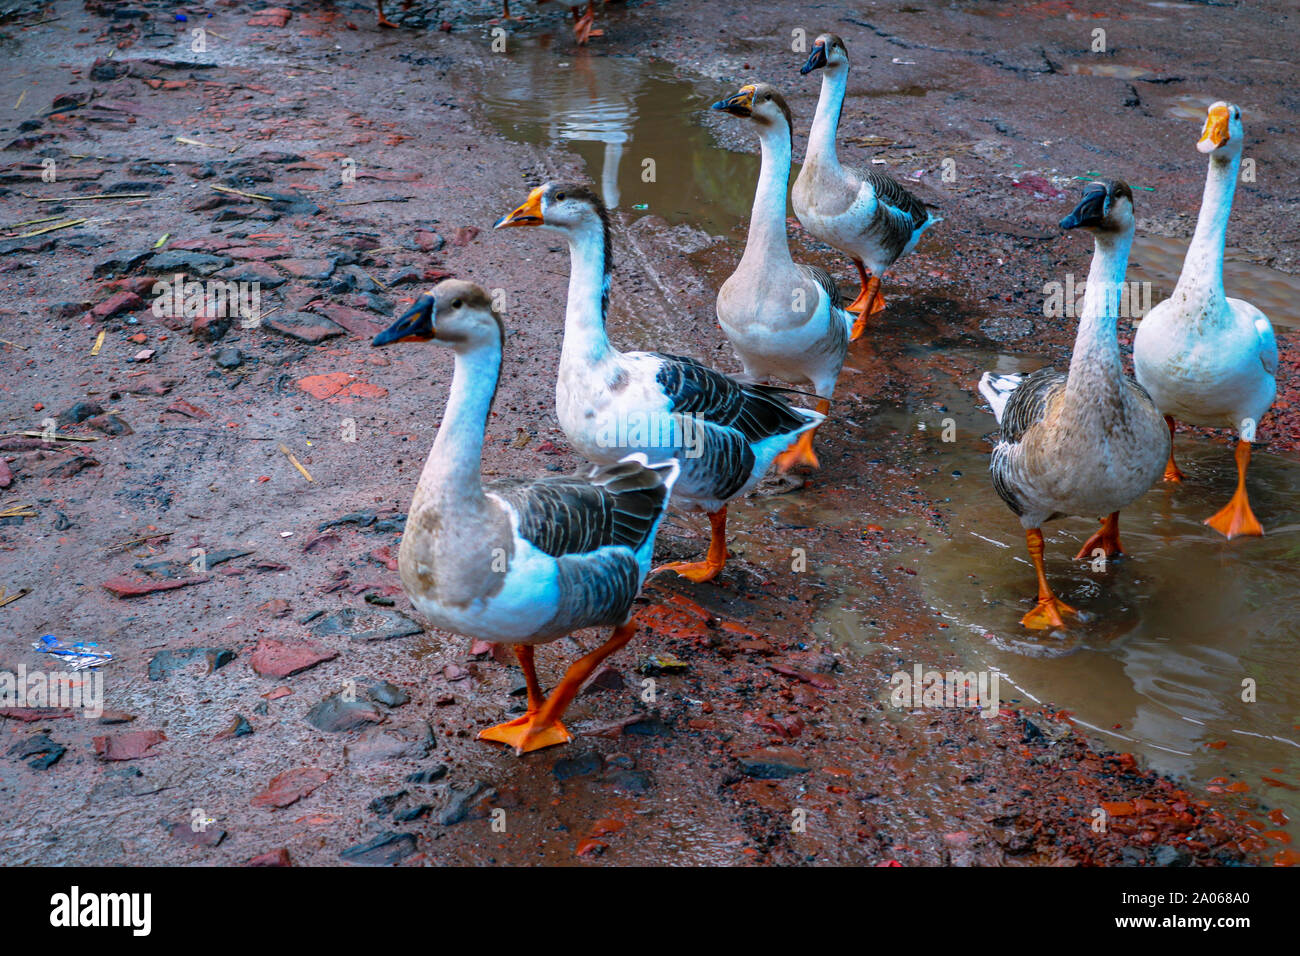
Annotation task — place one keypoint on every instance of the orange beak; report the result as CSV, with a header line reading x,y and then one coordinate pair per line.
x,y
529,214
1216,132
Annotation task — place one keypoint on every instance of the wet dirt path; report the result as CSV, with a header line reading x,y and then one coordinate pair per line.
x,y
772,687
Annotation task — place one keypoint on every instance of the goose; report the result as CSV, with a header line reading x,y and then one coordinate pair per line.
x,y
1207,359
864,214
583,24
1089,442
784,319
519,561
726,434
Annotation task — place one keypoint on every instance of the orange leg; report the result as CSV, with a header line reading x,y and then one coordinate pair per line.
x,y
1171,469
868,302
383,20
1235,517
1049,609
584,28
706,570
1106,539
541,726
505,12
801,452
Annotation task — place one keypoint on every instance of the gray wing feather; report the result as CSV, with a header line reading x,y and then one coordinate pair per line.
x,y
619,505
824,279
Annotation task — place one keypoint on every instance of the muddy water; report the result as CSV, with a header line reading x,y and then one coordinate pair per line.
x,y
1159,260
617,113
1168,635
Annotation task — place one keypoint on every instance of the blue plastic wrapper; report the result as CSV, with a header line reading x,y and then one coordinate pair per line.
x,y
79,656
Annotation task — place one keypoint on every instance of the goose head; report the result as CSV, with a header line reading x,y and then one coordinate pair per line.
x,y
1223,134
828,52
758,102
567,207
1106,208
454,313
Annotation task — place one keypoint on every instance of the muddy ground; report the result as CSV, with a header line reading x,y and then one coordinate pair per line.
x,y
293,651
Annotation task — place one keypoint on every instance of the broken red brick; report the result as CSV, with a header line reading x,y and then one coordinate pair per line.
x,y
132,745
274,658
290,787
124,301
124,587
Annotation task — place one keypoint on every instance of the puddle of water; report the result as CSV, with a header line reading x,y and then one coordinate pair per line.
x,y
1114,70
617,112
1159,260
1173,630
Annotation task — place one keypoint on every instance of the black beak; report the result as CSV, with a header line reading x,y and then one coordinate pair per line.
x,y
816,60
737,105
1091,210
416,323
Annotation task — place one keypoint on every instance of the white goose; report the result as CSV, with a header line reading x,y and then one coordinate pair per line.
x,y
519,561
725,434
864,214
1207,359
1090,442
784,320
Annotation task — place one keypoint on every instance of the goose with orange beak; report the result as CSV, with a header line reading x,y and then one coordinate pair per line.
x,y
519,561
725,434
1207,359
784,319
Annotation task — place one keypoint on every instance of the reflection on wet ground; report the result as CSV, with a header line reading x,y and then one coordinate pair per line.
x,y
1156,667
618,113
1159,260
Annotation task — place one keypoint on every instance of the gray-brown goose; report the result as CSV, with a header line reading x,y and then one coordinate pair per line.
x,y
1089,442
519,561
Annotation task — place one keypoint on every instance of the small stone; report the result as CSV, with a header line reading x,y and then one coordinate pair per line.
x,y
366,624
432,775
229,358
239,727
384,850
335,715
407,741
773,763
587,764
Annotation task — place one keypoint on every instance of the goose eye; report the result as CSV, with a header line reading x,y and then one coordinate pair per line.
x,y
456,304
559,197
768,96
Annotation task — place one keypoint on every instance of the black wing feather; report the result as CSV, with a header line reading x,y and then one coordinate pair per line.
x,y
756,411
577,514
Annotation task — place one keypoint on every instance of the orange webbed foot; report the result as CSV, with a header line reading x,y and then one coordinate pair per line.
x,y
1235,518
800,453
1047,613
525,734
697,571
386,23
1105,540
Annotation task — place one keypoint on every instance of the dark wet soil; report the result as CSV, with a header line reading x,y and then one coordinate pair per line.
x,y
769,736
